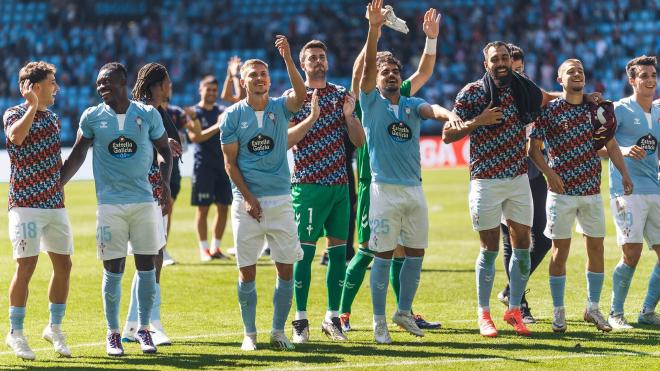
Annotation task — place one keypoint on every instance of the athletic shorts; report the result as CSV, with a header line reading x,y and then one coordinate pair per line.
x,y
492,201
210,186
277,228
637,217
562,210
321,210
362,217
139,223
32,230
397,215
162,232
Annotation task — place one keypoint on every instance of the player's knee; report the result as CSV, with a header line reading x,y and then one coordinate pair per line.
x,y
415,253
490,239
631,256
26,266
63,266
247,274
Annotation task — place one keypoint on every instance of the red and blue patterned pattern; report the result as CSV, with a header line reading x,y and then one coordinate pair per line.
x,y
35,165
568,132
155,180
496,151
320,157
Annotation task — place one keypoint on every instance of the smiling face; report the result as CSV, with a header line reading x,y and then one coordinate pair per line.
x,y
388,78
111,86
315,63
209,93
645,81
571,76
498,62
46,90
255,79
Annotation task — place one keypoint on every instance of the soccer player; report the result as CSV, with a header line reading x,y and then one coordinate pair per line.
x,y
496,109
398,211
637,216
37,217
153,87
232,91
254,143
319,191
210,183
122,134
358,266
539,188
565,124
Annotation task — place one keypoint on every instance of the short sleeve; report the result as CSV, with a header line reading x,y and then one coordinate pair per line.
x,y
156,129
228,127
9,118
465,103
368,99
416,104
281,102
85,127
539,126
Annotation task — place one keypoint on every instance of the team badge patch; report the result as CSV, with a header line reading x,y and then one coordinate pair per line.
x,y
122,147
648,143
261,145
399,132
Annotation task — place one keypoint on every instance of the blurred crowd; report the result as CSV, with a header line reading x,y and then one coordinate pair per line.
x,y
197,37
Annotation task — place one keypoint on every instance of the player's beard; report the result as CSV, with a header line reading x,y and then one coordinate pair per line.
x,y
502,80
318,74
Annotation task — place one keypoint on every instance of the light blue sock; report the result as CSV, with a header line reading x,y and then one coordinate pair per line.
x,y
132,315
485,270
146,294
56,313
282,303
16,318
653,293
557,288
247,301
379,280
621,278
518,276
409,279
111,298
594,287
155,310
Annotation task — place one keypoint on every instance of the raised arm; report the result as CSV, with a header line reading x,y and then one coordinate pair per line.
x,y
297,132
353,127
195,131
555,183
20,129
296,99
232,81
376,21
358,67
230,152
76,158
431,27
616,157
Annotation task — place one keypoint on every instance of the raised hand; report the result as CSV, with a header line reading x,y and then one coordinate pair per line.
x,y
28,92
349,104
315,109
490,116
282,45
375,13
234,65
431,25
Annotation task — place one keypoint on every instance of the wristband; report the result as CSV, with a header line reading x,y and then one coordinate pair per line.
x,y
430,46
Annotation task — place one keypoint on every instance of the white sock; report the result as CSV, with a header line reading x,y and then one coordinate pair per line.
x,y
55,327
593,306
204,245
328,315
17,332
480,310
215,245
379,318
157,325
301,315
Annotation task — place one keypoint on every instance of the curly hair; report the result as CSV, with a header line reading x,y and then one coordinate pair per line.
x,y
644,60
387,58
35,71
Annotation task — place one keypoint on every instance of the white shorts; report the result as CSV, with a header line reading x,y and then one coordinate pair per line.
x,y
162,232
397,214
139,223
277,227
637,217
563,209
492,200
32,230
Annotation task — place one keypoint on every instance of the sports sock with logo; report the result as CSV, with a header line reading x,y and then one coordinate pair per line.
x,y
16,318
594,288
395,275
519,275
409,280
56,313
247,301
354,277
378,281
485,272
281,303
334,277
302,276
557,288
146,294
111,298
621,279
653,293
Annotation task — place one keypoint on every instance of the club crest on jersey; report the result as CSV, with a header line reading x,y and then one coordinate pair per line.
x,y
399,132
648,142
122,147
261,145
271,116
138,121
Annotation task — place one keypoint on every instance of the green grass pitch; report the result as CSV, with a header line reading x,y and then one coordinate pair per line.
x,y
200,311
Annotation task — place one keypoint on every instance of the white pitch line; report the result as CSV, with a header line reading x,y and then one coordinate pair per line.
x,y
465,360
85,345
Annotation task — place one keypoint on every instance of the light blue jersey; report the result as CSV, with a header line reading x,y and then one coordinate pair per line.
x,y
633,128
122,155
393,141
262,147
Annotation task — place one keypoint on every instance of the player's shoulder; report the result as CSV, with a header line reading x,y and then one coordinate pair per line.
x,y
623,105
473,90
95,112
236,107
175,109
18,110
141,107
337,88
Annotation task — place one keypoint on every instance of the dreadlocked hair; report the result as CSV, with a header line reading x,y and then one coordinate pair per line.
x,y
148,76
